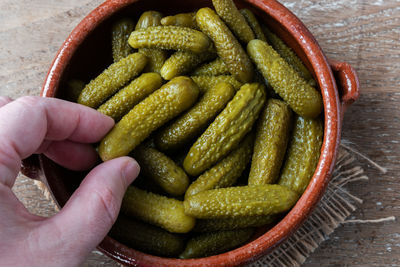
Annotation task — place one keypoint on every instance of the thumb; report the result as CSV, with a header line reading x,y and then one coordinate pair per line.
x,y
93,208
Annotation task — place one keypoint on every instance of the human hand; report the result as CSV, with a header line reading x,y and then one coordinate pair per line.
x,y
63,132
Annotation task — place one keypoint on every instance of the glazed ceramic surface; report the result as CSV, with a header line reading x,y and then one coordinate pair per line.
x,y
86,53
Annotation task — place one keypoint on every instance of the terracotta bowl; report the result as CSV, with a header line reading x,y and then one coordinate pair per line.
x,y
86,52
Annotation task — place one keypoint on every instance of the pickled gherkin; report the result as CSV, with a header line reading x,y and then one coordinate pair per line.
x,y
147,238
182,62
182,20
170,37
254,25
112,79
226,172
161,170
272,137
301,97
228,48
190,125
156,57
227,130
149,19
227,10
303,154
214,68
123,101
205,82
287,54
167,213
209,244
211,225
233,202
120,35
151,113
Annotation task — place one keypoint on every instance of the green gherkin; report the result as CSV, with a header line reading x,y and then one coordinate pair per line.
x,y
239,201
301,97
193,122
206,82
227,130
156,56
272,137
254,25
112,79
228,48
214,68
226,172
288,55
119,36
182,62
147,238
167,213
161,170
212,225
303,154
182,20
227,10
170,37
154,111
125,99
209,244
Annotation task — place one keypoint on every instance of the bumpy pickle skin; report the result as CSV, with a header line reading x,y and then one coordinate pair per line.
x,y
209,244
303,154
182,20
301,97
151,113
170,37
254,25
233,202
272,137
74,89
229,13
125,99
206,82
212,225
288,55
182,62
161,170
147,238
112,79
156,57
119,38
213,68
190,125
226,172
228,48
167,213
227,130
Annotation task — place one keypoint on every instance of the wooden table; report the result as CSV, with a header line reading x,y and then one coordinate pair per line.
x,y
365,33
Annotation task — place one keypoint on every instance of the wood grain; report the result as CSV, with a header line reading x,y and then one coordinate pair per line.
x,y
365,33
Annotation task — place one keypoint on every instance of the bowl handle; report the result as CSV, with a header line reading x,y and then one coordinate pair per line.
x,y
30,167
347,83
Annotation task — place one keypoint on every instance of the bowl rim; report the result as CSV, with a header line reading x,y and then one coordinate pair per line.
x,y
332,126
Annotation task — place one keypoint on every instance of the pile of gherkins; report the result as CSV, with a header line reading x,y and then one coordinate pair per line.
x,y
229,147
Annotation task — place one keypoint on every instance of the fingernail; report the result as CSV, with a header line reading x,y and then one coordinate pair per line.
x,y
131,170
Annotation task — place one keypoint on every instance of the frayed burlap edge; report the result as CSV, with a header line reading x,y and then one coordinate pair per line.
x,y
333,209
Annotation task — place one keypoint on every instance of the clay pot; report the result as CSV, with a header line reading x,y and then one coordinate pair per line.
x,y
87,51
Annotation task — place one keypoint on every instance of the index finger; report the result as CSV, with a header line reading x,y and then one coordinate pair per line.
x,y
26,122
